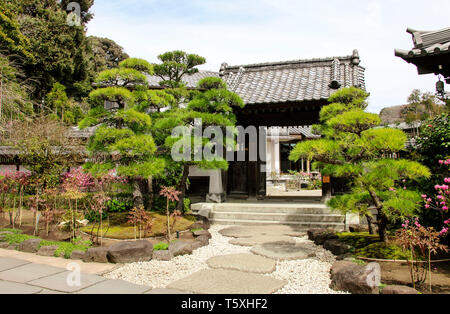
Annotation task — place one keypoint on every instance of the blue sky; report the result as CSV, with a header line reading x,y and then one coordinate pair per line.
x,y
252,31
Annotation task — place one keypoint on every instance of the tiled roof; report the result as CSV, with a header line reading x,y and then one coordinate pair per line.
x,y
305,131
293,81
394,114
427,43
190,80
430,52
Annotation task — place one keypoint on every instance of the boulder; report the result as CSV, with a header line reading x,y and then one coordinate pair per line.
x,y
4,245
358,228
196,245
180,248
97,254
203,239
319,236
130,252
337,247
354,278
47,250
202,233
77,254
30,245
399,290
196,225
162,255
12,247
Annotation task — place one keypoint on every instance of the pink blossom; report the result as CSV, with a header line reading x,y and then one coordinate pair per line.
x,y
427,206
445,208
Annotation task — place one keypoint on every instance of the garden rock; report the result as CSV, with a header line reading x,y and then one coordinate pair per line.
x,y
199,233
196,245
180,248
399,290
98,255
77,254
130,252
354,278
337,247
204,240
4,245
162,255
30,245
196,225
319,236
47,250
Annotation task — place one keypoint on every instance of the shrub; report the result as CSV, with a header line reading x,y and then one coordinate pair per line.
x,y
161,246
383,250
117,206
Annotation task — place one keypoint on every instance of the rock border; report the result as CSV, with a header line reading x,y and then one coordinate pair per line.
x,y
103,254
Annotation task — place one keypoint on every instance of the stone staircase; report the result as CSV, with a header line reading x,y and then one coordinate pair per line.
x,y
299,215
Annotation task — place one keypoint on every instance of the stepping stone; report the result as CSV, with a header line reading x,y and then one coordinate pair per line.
x,y
165,291
252,231
29,272
284,250
115,287
59,282
8,263
222,281
7,287
243,262
260,240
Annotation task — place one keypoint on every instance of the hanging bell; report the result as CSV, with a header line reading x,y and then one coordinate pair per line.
x,y
440,87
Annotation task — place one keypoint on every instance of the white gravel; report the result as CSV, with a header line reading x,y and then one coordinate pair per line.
x,y
308,276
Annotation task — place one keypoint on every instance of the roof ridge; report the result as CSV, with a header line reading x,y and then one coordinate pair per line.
x,y
275,63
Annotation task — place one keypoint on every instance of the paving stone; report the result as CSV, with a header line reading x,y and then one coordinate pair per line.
x,y
165,291
115,287
29,272
7,287
283,250
45,291
59,282
260,240
8,263
222,281
243,262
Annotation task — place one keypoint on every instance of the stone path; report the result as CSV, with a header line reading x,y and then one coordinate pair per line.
x,y
18,276
249,273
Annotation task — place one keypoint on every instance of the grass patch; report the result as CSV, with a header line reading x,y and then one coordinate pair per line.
x,y
15,231
383,250
198,229
369,246
127,231
161,246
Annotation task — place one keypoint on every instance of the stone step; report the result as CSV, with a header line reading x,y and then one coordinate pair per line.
x,y
276,216
274,208
300,225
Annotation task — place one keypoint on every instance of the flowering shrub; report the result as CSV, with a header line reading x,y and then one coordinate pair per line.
x,y
441,201
422,242
141,220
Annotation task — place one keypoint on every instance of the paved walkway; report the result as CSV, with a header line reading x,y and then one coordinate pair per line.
x,y
23,273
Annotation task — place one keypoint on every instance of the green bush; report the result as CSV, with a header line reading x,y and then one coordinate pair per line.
x,y
161,246
93,216
16,231
117,206
358,240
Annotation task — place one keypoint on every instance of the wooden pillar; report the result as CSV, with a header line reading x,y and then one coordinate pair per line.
x,y
326,188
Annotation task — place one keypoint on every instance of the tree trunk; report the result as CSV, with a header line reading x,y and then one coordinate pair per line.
x,y
381,217
137,194
182,188
150,194
370,223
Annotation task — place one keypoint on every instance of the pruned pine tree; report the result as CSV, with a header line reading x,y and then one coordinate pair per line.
x,y
353,146
123,140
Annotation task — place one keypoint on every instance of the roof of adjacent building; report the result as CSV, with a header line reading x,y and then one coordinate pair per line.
x,y
293,81
426,43
285,81
304,131
190,80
